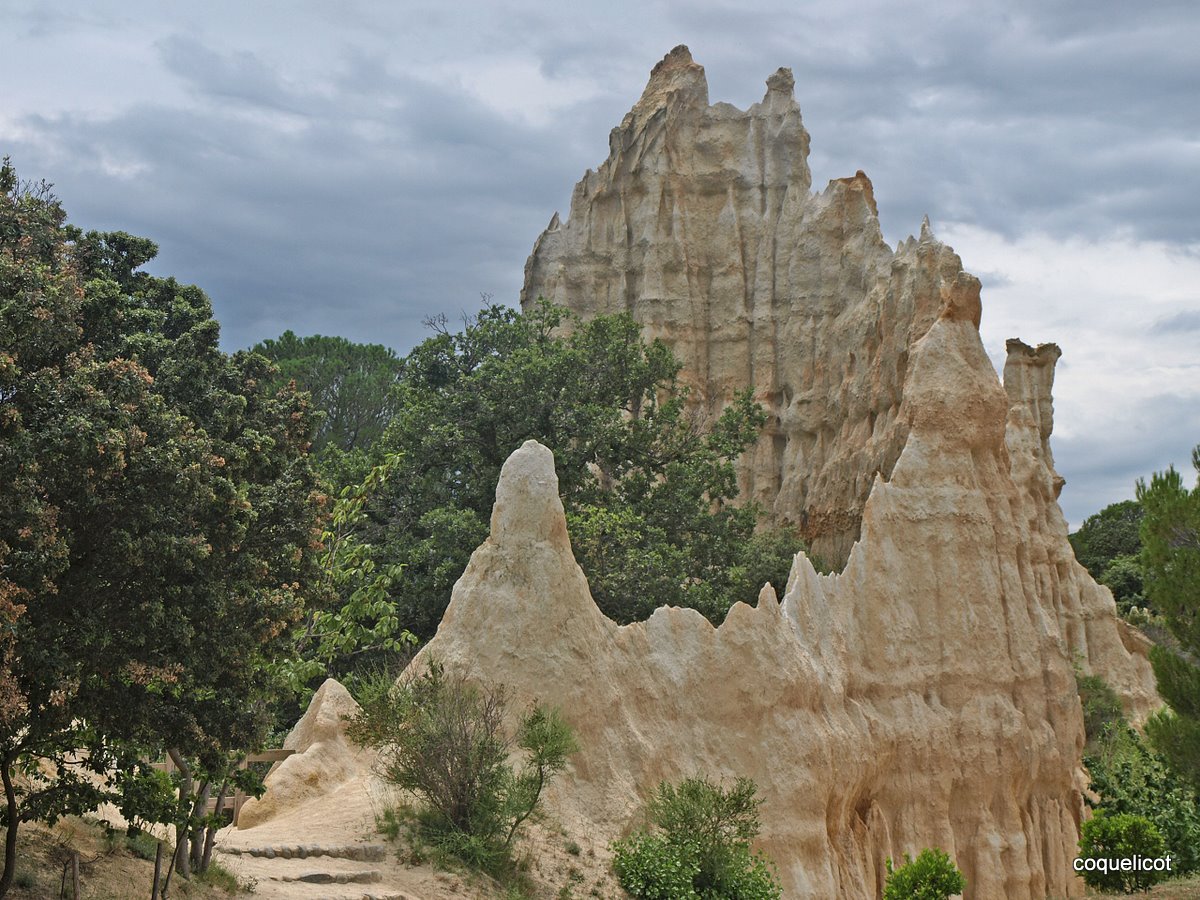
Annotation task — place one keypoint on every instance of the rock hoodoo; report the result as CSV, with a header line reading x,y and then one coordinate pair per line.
x,y
702,225
322,757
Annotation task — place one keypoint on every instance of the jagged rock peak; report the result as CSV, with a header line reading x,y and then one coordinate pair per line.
x,y
675,75
782,82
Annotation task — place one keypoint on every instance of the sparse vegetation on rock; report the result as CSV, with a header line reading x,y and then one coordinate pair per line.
x,y
443,738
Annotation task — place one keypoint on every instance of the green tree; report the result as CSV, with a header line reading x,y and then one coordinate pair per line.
x,y
1171,559
649,495
1108,836
352,613
351,387
157,517
1129,778
1112,532
1109,545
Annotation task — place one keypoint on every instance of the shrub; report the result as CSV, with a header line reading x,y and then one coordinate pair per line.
x,y
1120,836
1101,705
1131,779
702,849
442,737
931,876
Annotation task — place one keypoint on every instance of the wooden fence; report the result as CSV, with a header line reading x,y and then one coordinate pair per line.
x,y
234,803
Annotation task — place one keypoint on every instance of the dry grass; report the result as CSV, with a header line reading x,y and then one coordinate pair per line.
x,y
109,868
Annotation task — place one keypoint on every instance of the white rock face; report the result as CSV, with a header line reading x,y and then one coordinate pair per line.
x,y
323,758
702,225
920,698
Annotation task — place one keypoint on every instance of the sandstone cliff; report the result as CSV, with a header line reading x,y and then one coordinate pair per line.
x,y
702,225
919,698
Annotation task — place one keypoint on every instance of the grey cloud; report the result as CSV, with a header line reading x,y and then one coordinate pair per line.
x,y
1107,455
302,228
239,76
1185,322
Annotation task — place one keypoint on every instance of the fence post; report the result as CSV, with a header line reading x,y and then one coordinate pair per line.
x,y
157,871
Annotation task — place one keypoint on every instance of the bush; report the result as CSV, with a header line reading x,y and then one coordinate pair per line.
x,y
1101,705
702,849
931,876
442,737
1131,779
1120,836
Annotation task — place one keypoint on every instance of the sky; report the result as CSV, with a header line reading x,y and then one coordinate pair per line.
x,y
355,168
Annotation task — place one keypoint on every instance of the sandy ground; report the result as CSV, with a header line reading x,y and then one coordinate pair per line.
x,y
343,823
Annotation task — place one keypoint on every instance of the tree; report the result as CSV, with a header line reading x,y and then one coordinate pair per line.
x,y
1129,779
351,386
1108,544
352,612
1112,532
1171,558
649,494
157,518
931,876
1106,837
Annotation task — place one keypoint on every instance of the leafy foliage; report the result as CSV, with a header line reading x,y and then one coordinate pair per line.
x,y
350,384
1101,705
1131,779
157,516
648,494
443,738
353,614
1108,544
931,876
1171,557
702,848
1125,577
1112,532
1120,836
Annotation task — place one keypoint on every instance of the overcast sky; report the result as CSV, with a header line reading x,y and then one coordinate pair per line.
x,y
352,168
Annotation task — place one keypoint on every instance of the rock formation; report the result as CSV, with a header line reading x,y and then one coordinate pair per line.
x,y
322,758
922,697
702,225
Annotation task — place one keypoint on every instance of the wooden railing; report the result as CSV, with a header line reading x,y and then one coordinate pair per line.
x,y
234,804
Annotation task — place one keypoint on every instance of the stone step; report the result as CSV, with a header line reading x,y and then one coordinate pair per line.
x,y
357,852
367,876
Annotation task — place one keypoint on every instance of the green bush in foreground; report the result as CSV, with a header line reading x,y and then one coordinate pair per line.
x,y
931,876
702,849
1113,837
